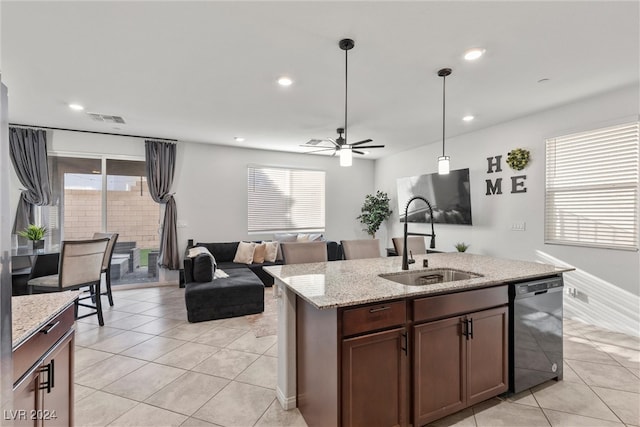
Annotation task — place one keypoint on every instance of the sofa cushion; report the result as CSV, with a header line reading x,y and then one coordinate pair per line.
x,y
203,268
259,253
245,251
230,265
271,251
223,252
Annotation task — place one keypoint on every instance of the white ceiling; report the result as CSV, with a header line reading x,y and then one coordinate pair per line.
x,y
206,71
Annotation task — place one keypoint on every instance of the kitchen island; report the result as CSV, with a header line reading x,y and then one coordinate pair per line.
x,y
42,341
352,343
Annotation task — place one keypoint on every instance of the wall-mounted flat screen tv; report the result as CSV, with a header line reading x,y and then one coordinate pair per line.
x,y
449,195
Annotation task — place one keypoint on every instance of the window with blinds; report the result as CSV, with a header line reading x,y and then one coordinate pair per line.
x,y
285,199
592,188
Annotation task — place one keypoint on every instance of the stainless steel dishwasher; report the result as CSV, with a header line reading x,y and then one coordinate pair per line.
x,y
535,331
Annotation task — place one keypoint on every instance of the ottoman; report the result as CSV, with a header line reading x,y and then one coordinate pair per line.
x,y
237,295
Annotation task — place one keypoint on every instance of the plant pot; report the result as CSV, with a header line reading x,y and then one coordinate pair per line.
x,y
38,245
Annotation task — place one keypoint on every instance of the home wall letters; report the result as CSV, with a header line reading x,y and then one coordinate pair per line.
x,y
495,187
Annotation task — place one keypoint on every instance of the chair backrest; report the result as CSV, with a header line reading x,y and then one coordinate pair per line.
x,y
415,244
45,265
302,252
358,249
81,262
113,238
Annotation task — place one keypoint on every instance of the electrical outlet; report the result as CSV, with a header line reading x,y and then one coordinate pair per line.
x,y
182,224
518,226
571,291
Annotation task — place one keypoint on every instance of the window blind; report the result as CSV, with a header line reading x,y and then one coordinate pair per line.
x,y
283,199
592,188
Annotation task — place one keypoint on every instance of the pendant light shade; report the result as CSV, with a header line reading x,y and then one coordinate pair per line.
x,y
443,161
346,156
443,165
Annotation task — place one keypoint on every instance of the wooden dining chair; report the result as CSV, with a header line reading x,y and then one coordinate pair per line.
x,y
106,262
359,249
303,252
80,266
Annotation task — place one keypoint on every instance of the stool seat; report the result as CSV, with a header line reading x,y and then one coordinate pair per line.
x,y
239,294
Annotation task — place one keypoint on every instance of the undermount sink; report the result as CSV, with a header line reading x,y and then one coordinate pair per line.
x,y
429,277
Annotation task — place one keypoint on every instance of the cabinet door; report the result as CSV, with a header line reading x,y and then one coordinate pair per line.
x,y
374,379
439,369
487,374
57,382
26,400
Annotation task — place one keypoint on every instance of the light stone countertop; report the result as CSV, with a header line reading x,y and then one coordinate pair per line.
x,y
30,312
347,283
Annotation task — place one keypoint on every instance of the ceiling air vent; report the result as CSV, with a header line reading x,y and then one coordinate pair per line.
x,y
106,118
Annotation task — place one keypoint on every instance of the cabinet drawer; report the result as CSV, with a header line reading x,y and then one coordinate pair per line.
x,y
31,350
441,306
372,317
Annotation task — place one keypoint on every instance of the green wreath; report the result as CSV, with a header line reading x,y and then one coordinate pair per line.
x,y
518,158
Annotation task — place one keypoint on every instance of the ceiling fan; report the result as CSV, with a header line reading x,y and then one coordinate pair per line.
x,y
340,144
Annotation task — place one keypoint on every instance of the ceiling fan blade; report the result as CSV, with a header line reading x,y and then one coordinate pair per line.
x,y
364,141
371,146
359,152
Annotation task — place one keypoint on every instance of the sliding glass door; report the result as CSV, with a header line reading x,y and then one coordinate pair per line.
x,y
111,195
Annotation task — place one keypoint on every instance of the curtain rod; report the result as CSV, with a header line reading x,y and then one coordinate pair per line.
x,y
91,131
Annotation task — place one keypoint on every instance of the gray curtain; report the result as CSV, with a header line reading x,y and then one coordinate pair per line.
x,y
28,151
160,165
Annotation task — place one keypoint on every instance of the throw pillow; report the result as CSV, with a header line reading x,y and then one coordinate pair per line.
x,y
259,253
271,251
203,268
303,237
244,254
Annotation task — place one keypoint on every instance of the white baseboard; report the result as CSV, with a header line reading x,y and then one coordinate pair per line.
x,y
287,403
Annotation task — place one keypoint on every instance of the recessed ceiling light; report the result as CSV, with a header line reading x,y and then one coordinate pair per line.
x,y
473,54
285,81
76,107
239,139
468,118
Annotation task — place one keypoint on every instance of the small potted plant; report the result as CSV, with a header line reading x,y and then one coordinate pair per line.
x,y
35,233
374,210
461,246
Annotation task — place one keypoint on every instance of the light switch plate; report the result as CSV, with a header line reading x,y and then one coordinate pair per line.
x,y
518,226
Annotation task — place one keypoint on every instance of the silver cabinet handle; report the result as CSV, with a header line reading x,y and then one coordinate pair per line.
x,y
375,310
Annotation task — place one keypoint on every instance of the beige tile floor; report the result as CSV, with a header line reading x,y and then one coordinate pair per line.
x,y
149,367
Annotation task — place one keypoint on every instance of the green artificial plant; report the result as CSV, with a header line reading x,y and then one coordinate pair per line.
x,y
33,232
518,158
374,210
461,246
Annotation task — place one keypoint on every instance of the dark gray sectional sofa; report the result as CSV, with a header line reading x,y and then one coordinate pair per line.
x,y
239,294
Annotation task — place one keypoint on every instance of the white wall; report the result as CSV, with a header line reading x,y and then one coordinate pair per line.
x,y
211,191
607,281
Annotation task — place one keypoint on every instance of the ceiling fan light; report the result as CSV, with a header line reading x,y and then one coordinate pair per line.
x,y
346,157
443,165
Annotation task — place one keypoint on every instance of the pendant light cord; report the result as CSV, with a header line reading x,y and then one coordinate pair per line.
x,y
444,81
346,87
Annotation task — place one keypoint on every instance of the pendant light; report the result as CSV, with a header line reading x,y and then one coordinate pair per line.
x,y
443,161
346,156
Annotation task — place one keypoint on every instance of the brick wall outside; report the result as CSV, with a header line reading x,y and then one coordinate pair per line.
x,y
134,217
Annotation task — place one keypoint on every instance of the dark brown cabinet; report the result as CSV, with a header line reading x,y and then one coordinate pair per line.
x,y
403,362
458,362
374,379
43,394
